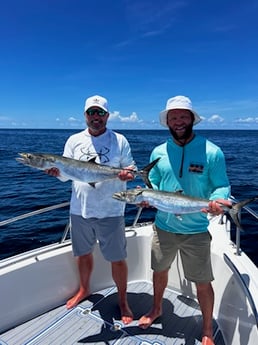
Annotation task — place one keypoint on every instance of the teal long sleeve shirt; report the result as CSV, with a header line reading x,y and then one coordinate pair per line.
x,y
198,169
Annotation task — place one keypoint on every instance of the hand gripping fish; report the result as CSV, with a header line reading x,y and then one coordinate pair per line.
x,y
176,202
71,169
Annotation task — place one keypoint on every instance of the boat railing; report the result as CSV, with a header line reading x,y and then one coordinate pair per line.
x,y
33,213
135,222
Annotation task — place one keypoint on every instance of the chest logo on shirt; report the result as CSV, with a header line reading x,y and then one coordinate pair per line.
x,y
196,168
89,153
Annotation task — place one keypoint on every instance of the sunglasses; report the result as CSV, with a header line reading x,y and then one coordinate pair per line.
x,y
99,112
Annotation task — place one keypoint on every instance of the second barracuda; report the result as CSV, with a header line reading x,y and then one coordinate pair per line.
x,y
176,202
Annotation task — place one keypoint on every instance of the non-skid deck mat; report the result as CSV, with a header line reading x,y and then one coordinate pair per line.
x,y
97,321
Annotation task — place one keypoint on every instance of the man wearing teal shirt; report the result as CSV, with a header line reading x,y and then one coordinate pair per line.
x,y
192,164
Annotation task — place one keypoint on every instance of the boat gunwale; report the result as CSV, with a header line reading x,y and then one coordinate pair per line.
x,y
243,284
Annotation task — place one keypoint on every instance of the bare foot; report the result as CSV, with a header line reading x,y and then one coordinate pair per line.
x,y
126,314
77,298
207,340
146,320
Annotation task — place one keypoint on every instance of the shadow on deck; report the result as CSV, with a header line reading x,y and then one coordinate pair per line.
x,y
97,321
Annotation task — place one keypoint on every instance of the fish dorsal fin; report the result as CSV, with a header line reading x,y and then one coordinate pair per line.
x,y
92,184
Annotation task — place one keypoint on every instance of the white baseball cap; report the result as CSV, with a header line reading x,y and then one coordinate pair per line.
x,y
96,101
178,102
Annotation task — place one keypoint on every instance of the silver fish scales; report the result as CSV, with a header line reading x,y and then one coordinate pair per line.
x,y
176,202
84,171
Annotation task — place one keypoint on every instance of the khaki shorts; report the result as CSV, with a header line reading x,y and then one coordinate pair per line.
x,y
194,250
110,232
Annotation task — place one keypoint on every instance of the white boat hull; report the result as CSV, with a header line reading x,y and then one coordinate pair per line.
x,y
36,282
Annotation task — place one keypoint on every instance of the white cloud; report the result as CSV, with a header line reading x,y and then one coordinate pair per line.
x,y
72,119
215,119
116,117
247,120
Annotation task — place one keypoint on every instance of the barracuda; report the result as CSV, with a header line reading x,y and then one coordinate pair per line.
x,y
71,169
176,202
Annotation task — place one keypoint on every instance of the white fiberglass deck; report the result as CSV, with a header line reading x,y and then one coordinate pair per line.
x,y
97,321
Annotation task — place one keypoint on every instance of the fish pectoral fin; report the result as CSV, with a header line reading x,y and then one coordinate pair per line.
x,y
179,191
138,191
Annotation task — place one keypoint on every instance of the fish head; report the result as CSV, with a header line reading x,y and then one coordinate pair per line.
x,y
129,196
33,160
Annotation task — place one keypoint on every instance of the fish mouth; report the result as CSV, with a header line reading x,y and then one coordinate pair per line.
x,y
24,157
20,160
117,196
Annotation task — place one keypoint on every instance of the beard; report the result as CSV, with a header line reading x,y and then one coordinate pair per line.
x,y
186,135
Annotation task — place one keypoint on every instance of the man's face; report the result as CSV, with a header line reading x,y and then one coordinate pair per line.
x,y
180,123
96,119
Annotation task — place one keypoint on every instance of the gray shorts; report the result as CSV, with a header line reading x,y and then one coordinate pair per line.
x,y
110,232
194,250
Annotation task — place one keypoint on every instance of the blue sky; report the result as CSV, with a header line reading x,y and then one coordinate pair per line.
x,y
136,53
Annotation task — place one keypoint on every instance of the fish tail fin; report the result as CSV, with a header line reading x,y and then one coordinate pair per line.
x,y
145,172
235,209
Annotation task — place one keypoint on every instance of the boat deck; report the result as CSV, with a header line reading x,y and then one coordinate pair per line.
x,y
97,321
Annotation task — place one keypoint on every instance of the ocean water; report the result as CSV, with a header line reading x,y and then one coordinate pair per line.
x,y
24,189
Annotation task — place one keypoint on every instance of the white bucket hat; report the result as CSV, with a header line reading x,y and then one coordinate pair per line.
x,y
178,102
96,101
